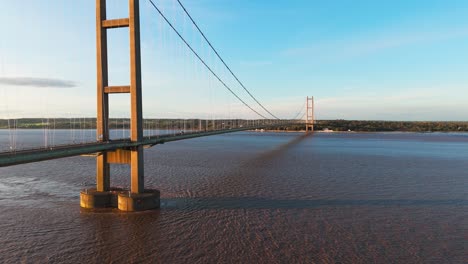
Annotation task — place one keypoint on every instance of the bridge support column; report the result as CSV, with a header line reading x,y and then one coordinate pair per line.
x,y
104,196
102,173
137,170
309,114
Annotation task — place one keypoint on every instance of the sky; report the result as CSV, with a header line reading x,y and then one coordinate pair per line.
x,y
372,60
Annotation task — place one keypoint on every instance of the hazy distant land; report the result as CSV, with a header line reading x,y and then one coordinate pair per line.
x,y
335,125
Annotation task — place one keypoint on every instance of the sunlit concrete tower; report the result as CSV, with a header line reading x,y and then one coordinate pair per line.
x,y
137,198
310,114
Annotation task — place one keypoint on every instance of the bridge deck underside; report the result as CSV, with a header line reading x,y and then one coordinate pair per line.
x,y
62,151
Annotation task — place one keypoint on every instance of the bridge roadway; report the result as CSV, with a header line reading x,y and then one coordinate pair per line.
x,y
17,157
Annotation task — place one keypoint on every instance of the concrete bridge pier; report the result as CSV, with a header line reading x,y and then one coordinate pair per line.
x,y
121,199
137,198
310,118
103,196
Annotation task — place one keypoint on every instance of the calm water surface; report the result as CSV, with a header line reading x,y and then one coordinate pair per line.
x,y
252,198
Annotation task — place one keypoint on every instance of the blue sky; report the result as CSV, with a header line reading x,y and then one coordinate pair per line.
x,y
390,60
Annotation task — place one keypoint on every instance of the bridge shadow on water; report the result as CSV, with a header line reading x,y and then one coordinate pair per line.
x,y
251,202
215,203
279,150
265,203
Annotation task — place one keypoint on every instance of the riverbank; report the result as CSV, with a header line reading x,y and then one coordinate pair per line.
x,y
189,124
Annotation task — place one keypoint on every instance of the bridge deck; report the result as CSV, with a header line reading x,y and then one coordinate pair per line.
x,y
61,151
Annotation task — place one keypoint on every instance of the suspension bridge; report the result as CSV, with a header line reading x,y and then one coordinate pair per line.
x,y
130,150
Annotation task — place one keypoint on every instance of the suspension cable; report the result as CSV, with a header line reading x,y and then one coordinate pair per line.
x,y
299,112
202,61
302,116
219,56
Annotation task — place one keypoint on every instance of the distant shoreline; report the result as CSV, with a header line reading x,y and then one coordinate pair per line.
x,y
356,132
322,126
280,131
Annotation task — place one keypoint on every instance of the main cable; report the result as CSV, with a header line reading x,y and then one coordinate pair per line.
x,y
227,67
302,116
202,61
298,113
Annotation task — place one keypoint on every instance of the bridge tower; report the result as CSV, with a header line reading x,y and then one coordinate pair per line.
x,y
310,114
137,198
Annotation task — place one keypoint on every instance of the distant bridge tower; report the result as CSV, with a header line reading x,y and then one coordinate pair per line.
x,y
310,114
137,198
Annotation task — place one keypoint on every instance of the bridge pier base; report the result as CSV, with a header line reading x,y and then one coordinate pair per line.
x,y
121,199
133,202
91,198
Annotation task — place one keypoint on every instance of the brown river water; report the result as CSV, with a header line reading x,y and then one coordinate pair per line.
x,y
253,198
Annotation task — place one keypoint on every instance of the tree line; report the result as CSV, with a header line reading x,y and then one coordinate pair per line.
x,y
335,125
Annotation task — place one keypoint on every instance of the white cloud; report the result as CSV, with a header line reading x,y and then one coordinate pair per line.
x,y
37,82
